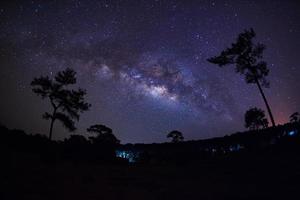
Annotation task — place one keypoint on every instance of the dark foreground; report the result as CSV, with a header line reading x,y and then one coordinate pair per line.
x,y
268,167
260,176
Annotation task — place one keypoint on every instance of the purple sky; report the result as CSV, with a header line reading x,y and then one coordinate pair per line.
x,y
144,65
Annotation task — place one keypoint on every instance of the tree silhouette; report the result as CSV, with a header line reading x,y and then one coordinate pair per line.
x,y
255,118
67,103
104,134
76,140
295,117
176,136
105,142
246,56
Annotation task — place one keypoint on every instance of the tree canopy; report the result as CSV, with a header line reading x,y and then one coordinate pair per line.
x,y
295,117
255,118
67,103
104,134
176,136
247,58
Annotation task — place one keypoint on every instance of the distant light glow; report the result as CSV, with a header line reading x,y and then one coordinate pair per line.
x,y
236,147
128,155
291,133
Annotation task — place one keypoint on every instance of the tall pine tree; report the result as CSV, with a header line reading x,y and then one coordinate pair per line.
x,y
247,58
67,104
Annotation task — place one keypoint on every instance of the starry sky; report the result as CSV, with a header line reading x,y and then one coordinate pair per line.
x,y
144,63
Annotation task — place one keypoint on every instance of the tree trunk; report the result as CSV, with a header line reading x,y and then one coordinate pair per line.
x,y
52,123
266,102
51,128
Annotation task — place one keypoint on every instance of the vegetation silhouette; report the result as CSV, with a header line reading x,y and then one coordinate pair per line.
x,y
210,155
295,117
104,134
77,148
105,142
29,173
247,58
176,136
67,103
255,118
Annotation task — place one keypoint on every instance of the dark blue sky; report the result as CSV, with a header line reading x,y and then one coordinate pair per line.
x,y
144,65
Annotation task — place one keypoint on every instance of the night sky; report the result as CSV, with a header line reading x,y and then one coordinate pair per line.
x,y
143,64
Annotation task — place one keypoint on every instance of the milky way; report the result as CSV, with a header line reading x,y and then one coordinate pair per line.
x,y
144,63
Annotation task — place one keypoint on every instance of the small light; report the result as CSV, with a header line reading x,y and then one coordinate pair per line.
x,y
291,133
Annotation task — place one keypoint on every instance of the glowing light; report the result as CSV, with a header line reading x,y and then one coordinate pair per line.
x,y
291,133
236,147
128,155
